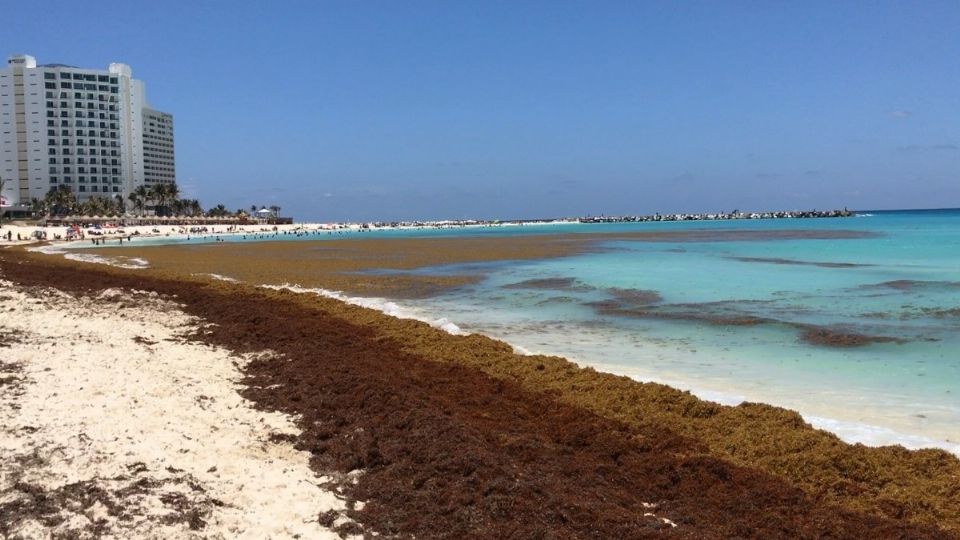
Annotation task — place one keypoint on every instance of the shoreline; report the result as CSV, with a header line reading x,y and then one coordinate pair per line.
x,y
387,293
348,263
849,431
489,356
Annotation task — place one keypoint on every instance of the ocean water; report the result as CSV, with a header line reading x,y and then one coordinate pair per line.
x,y
859,334
729,320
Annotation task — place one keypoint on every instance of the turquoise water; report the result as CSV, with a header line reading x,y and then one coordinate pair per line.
x,y
861,335
895,294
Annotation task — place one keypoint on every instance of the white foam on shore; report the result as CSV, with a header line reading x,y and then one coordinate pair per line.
x,y
850,432
382,305
219,277
853,432
132,263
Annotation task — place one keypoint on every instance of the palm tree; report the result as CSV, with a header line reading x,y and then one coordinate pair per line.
x,y
218,211
276,211
38,206
138,197
158,193
95,206
119,208
172,191
61,200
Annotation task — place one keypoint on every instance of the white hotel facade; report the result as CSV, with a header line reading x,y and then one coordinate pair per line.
x,y
91,130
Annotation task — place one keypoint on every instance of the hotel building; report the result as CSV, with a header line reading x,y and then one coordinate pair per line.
x,y
91,130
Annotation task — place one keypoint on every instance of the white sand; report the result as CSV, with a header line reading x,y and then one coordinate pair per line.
x,y
82,402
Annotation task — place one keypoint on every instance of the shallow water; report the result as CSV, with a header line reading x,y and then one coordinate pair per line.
x,y
731,320
858,332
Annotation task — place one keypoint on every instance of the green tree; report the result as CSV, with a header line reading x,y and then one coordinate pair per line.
x,y
158,194
61,200
38,207
138,198
218,211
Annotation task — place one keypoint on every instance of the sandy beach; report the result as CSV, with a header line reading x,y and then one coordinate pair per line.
x,y
115,425
407,430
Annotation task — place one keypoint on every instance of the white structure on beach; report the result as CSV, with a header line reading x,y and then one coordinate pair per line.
x,y
91,130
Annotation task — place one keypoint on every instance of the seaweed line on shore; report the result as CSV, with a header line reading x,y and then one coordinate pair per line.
x,y
458,434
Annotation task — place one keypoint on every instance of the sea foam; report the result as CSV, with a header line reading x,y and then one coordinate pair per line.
x,y
382,305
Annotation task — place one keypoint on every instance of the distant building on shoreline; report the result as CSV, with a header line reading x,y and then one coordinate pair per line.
x,y
91,130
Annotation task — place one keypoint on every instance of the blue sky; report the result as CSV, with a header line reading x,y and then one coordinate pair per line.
x,y
403,110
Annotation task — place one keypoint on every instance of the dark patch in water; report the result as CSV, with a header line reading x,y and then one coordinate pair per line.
x,y
840,337
738,235
777,260
555,284
911,284
635,297
617,308
557,300
939,313
726,314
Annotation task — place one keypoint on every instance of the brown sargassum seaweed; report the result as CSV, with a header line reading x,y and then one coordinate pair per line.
x,y
460,437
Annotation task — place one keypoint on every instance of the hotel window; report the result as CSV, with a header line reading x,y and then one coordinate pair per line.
x,y
53,170
64,75
49,75
83,188
53,179
103,78
116,189
78,76
67,180
50,85
53,161
66,161
63,85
